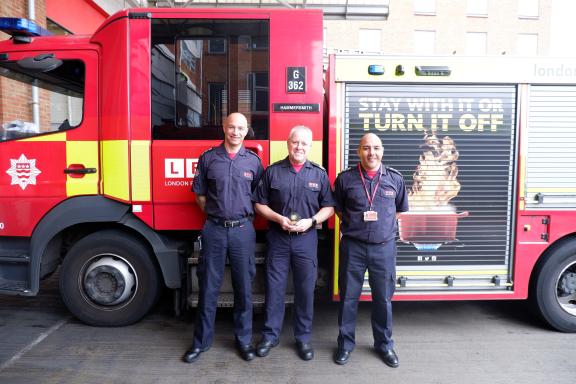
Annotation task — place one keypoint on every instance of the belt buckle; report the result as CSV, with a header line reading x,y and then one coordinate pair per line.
x,y
231,223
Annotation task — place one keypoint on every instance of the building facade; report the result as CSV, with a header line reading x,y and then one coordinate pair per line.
x,y
450,27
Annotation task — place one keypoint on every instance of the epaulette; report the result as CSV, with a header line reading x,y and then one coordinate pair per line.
x,y
208,150
250,151
393,170
317,165
277,162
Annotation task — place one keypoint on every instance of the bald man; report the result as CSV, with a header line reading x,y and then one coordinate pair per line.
x,y
368,197
224,181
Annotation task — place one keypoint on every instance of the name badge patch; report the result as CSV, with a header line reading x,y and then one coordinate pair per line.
x,y
313,185
248,175
389,193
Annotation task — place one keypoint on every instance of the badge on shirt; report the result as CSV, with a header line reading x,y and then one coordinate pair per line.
x,y
370,216
248,175
314,186
389,193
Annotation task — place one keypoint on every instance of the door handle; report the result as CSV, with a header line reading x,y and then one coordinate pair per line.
x,y
78,170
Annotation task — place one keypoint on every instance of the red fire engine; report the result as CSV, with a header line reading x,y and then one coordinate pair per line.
x,y
100,135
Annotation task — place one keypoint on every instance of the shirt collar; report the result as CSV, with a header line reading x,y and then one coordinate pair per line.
x,y
287,164
382,170
221,149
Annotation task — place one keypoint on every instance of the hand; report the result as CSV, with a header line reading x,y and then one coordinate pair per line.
x,y
286,224
303,225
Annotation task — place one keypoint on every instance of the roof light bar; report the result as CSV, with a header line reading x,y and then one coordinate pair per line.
x,y
14,26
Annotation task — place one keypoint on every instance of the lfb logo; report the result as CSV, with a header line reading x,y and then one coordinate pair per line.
x,y
180,168
23,171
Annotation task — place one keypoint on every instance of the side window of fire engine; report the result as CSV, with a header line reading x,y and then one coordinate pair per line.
x,y
202,70
40,100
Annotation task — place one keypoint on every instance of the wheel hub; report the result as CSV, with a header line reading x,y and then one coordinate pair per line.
x,y
109,281
567,284
566,289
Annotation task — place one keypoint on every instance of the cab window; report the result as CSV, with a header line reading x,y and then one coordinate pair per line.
x,y
60,97
202,70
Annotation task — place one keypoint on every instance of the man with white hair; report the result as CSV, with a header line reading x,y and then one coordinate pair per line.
x,y
294,195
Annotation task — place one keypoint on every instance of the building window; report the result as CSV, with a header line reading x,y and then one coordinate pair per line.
x,y
477,8
527,44
217,101
217,46
425,7
370,40
425,42
528,9
258,83
476,43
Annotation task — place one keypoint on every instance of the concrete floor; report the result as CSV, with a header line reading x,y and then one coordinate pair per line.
x,y
437,342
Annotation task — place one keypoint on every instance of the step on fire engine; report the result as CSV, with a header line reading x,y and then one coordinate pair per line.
x,y
100,136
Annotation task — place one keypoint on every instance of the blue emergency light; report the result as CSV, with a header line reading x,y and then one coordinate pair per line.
x,y
14,26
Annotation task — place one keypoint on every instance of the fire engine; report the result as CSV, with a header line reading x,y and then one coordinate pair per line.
x,y
100,136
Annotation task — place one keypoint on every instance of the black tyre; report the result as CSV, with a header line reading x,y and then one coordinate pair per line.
x,y
553,290
109,279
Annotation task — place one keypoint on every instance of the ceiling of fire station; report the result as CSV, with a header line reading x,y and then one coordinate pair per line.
x,y
333,9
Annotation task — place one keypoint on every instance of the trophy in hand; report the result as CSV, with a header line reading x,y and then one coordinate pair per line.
x,y
294,218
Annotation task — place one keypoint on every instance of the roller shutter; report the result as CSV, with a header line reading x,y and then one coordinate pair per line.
x,y
480,121
551,154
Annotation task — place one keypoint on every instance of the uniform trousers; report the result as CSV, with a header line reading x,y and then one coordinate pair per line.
x,y
238,245
299,253
356,257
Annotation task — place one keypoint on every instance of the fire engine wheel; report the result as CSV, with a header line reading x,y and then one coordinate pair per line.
x,y
554,289
109,279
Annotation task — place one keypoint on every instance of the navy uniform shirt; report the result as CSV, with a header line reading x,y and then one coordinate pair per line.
x,y
286,191
352,202
227,183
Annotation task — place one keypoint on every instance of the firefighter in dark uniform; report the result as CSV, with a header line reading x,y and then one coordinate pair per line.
x,y
368,198
224,181
294,195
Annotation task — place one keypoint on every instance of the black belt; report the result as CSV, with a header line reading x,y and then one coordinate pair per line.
x,y
230,223
279,229
297,233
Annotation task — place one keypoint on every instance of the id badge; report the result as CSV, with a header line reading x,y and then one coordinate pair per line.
x,y
370,216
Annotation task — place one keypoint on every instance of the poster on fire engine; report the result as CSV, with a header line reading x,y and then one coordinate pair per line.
x,y
454,145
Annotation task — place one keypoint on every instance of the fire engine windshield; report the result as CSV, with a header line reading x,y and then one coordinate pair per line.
x,y
202,70
41,100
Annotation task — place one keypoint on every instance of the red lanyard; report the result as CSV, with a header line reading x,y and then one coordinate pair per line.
x,y
370,198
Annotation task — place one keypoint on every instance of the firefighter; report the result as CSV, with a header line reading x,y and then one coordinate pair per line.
x,y
368,198
294,195
224,181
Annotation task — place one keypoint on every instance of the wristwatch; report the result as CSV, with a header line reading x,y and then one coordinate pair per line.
x,y
314,222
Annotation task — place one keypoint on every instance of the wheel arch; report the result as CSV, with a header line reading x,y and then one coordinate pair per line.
x,y
79,216
544,258
543,286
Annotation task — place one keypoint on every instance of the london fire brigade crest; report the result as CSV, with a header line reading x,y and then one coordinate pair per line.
x,y
23,171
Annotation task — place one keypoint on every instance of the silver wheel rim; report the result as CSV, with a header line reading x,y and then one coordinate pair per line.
x,y
566,289
108,281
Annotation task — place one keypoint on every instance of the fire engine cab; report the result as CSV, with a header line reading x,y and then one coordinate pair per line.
x,y
100,136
